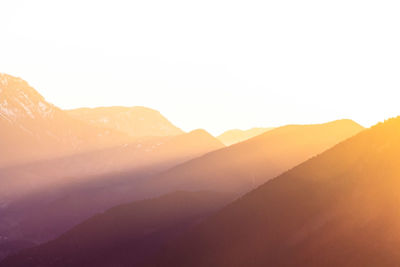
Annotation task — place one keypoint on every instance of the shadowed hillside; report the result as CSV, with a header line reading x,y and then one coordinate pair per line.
x,y
127,235
236,136
340,208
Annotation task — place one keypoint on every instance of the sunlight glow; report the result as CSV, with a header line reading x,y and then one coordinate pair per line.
x,y
211,64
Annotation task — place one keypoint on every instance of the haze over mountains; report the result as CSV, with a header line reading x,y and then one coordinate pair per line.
x,y
123,186
225,170
235,169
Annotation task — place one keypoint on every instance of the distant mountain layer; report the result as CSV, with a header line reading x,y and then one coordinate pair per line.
x,y
244,166
33,129
340,208
136,121
236,136
127,235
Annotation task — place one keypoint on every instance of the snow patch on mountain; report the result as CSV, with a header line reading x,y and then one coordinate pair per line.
x,y
19,100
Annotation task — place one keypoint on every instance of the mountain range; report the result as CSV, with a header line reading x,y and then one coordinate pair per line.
x,y
44,207
49,156
119,186
340,208
197,174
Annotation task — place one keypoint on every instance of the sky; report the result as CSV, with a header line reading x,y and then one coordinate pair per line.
x,y
216,64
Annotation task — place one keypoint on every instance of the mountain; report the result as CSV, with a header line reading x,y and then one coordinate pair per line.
x,y
243,166
126,235
235,169
41,200
33,129
56,170
236,136
340,208
135,121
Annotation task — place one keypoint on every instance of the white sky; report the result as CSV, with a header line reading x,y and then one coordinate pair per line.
x,y
211,64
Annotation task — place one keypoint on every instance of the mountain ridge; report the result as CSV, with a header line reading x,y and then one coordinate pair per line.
x,y
135,121
336,209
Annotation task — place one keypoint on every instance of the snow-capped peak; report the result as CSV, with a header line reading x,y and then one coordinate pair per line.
x,y
19,100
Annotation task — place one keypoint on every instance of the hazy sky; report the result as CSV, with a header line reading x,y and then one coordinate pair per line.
x,y
211,64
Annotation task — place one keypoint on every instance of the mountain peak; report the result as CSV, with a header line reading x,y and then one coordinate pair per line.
x,y
347,122
201,135
236,135
200,132
18,100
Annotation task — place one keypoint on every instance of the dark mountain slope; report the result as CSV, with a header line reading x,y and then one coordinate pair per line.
x,y
340,208
127,235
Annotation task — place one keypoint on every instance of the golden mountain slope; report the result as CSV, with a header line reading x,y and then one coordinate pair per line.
x,y
340,208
